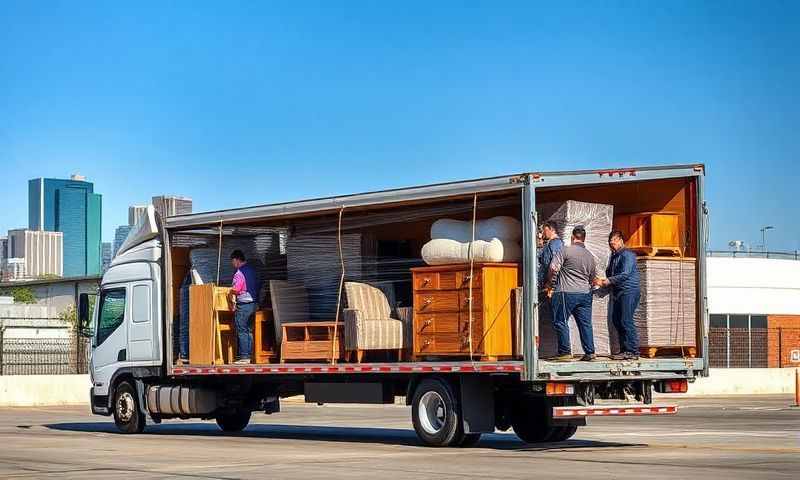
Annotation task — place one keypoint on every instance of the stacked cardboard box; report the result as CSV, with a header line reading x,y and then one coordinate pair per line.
x,y
666,316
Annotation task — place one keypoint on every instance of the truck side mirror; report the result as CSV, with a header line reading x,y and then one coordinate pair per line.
x,y
83,315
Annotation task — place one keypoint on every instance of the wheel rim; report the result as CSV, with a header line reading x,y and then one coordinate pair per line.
x,y
125,407
432,412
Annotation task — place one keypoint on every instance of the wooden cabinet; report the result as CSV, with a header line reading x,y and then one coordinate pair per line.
x,y
447,319
651,233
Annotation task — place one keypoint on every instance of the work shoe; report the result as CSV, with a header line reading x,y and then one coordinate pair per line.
x,y
588,357
242,361
619,356
561,358
631,356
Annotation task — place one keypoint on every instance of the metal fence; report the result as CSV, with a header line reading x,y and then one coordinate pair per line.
x,y
753,347
752,254
43,356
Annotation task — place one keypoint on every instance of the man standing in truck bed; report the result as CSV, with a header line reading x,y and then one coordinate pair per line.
x,y
623,279
246,286
575,268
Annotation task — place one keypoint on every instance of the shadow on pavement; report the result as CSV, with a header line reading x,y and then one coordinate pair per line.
x,y
387,436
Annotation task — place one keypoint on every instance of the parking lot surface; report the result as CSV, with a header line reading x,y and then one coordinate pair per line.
x,y
710,438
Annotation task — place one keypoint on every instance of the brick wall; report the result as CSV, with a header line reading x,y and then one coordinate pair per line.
x,y
783,337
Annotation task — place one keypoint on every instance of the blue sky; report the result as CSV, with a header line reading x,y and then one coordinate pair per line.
x,y
239,103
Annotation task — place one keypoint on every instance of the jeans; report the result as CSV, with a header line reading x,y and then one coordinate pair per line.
x,y
578,305
623,305
244,329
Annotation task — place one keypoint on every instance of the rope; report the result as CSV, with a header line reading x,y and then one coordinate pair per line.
x,y
219,251
471,272
339,292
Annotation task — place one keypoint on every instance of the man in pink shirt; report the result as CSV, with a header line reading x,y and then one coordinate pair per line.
x,y
246,286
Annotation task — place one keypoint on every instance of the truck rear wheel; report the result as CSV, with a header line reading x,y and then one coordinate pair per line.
x,y
563,433
529,420
234,422
128,414
436,414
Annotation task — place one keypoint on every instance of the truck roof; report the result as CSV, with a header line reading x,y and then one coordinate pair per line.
x,y
430,191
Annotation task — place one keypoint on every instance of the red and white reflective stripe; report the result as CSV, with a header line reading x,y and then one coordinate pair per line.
x,y
565,412
465,367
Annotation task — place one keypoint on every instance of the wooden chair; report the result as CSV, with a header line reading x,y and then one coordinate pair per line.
x,y
299,338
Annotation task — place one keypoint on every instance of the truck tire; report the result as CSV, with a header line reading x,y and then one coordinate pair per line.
x,y
436,414
128,414
470,439
234,422
562,434
529,420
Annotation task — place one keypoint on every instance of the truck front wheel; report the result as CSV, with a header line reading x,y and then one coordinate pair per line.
x,y
127,412
234,422
436,414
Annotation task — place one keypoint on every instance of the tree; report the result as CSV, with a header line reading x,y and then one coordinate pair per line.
x,y
20,294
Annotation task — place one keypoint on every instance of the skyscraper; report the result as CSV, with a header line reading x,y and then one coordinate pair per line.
x,y
106,255
120,234
71,207
135,213
170,205
41,251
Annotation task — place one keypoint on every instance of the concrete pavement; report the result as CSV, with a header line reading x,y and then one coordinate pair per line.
x,y
733,437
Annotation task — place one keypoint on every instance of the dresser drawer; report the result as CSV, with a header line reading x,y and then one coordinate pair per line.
x,y
440,344
436,280
430,323
463,299
462,278
436,301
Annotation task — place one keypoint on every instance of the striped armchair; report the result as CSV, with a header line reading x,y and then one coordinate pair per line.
x,y
368,322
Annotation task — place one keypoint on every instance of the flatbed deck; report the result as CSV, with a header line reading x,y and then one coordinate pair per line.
x,y
643,368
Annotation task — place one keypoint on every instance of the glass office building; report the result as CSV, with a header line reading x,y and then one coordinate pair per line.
x,y
71,207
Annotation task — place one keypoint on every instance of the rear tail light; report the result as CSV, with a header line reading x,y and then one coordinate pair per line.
x,y
560,389
676,386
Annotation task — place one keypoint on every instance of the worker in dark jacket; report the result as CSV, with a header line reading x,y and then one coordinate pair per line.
x,y
622,277
551,247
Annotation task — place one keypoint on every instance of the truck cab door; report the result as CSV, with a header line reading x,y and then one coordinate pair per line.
x,y
142,334
110,340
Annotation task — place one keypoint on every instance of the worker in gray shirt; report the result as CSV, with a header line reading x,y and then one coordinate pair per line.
x,y
576,270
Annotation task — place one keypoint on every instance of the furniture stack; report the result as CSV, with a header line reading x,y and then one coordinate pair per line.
x,y
597,220
448,321
667,313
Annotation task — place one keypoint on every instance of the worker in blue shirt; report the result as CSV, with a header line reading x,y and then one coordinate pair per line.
x,y
552,246
622,277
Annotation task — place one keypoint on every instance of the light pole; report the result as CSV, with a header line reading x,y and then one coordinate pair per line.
x,y
764,236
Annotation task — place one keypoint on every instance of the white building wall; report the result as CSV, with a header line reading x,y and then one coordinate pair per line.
x,y
763,286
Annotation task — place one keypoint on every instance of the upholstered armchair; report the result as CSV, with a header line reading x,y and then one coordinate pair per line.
x,y
369,324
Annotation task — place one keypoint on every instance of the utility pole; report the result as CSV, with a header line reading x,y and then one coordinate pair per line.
x,y
764,236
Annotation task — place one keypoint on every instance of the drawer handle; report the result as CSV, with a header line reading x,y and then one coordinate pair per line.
x,y
426,281
428,322
426,343
466,279
467,300
428,301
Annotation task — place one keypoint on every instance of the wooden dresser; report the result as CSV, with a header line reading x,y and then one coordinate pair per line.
x,y
442,310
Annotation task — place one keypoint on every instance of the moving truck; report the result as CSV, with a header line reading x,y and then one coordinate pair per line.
x,y
133,320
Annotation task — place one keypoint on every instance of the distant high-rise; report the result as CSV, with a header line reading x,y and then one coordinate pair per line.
x,y
41,250
106,246
3,248
120,234
170,205
135,213
13,269
71,207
